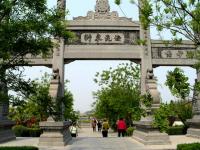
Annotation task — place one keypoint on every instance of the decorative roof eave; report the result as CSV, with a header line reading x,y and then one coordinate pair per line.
x,y
103,18
103,25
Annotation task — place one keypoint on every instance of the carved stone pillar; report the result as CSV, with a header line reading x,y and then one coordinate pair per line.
x,y
145,132
194,123
56,133
5,124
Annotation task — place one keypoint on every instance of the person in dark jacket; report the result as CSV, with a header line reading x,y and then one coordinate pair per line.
x,y
99,125
121,127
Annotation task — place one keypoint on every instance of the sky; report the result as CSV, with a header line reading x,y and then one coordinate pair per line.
x,y
81,73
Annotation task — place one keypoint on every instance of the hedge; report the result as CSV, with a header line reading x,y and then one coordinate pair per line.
x,y
19,148
177,130
192,146
22,131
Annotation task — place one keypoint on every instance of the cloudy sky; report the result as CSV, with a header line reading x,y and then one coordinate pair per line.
x,y
81,73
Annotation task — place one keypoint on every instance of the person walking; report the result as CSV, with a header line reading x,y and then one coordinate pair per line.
x,y
99,125
94,123
105,127
121,127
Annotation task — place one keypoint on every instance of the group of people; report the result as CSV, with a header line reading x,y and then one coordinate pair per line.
x,y
104,127
98,124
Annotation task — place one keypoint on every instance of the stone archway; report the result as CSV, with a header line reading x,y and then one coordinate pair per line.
x,y
103,35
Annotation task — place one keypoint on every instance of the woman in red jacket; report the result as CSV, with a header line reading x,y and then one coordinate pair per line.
x,y
121,127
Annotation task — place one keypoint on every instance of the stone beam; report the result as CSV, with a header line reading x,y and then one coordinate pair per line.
x,y
38,60
103,52
169,54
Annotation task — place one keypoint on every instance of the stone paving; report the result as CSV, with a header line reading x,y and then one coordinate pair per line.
x,y
88,140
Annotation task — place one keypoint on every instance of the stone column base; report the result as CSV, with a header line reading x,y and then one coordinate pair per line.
x,y
6,133
54,134
149,135
193,132
194,127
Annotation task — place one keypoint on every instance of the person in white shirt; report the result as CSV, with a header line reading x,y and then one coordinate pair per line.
x,y
73,130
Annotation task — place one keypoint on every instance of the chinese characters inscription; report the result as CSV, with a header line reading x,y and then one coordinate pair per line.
x,y
107,38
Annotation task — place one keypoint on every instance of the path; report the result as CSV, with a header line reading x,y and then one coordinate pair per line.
x,y
88,140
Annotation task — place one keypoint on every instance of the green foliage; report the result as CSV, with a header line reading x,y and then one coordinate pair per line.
x,y
145,13
19,148
129,131
177,130
178,16
146,100
178,83
183,110
119,95
161,117
39,105
192,146
22,131
69,112
180,109
26,27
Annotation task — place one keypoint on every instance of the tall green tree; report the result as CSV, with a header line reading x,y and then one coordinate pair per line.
x,y
26,27
119,95
39,104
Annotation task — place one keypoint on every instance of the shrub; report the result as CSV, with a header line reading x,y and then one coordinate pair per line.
x,y
129,131
19,148
177,130
192,146
21,131
34,132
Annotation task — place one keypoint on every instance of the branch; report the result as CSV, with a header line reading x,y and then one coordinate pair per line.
x,y
6,13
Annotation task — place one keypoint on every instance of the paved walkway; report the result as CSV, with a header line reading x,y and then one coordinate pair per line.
x,y
88,140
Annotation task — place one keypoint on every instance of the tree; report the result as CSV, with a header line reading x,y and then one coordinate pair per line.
x,y
39,105
119,95
26,27
179,87
178,110
68,100
180,17
177,16
181,109
178,83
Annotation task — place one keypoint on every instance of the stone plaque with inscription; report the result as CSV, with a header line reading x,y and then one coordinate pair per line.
x,y
106,38
102,38
170,53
